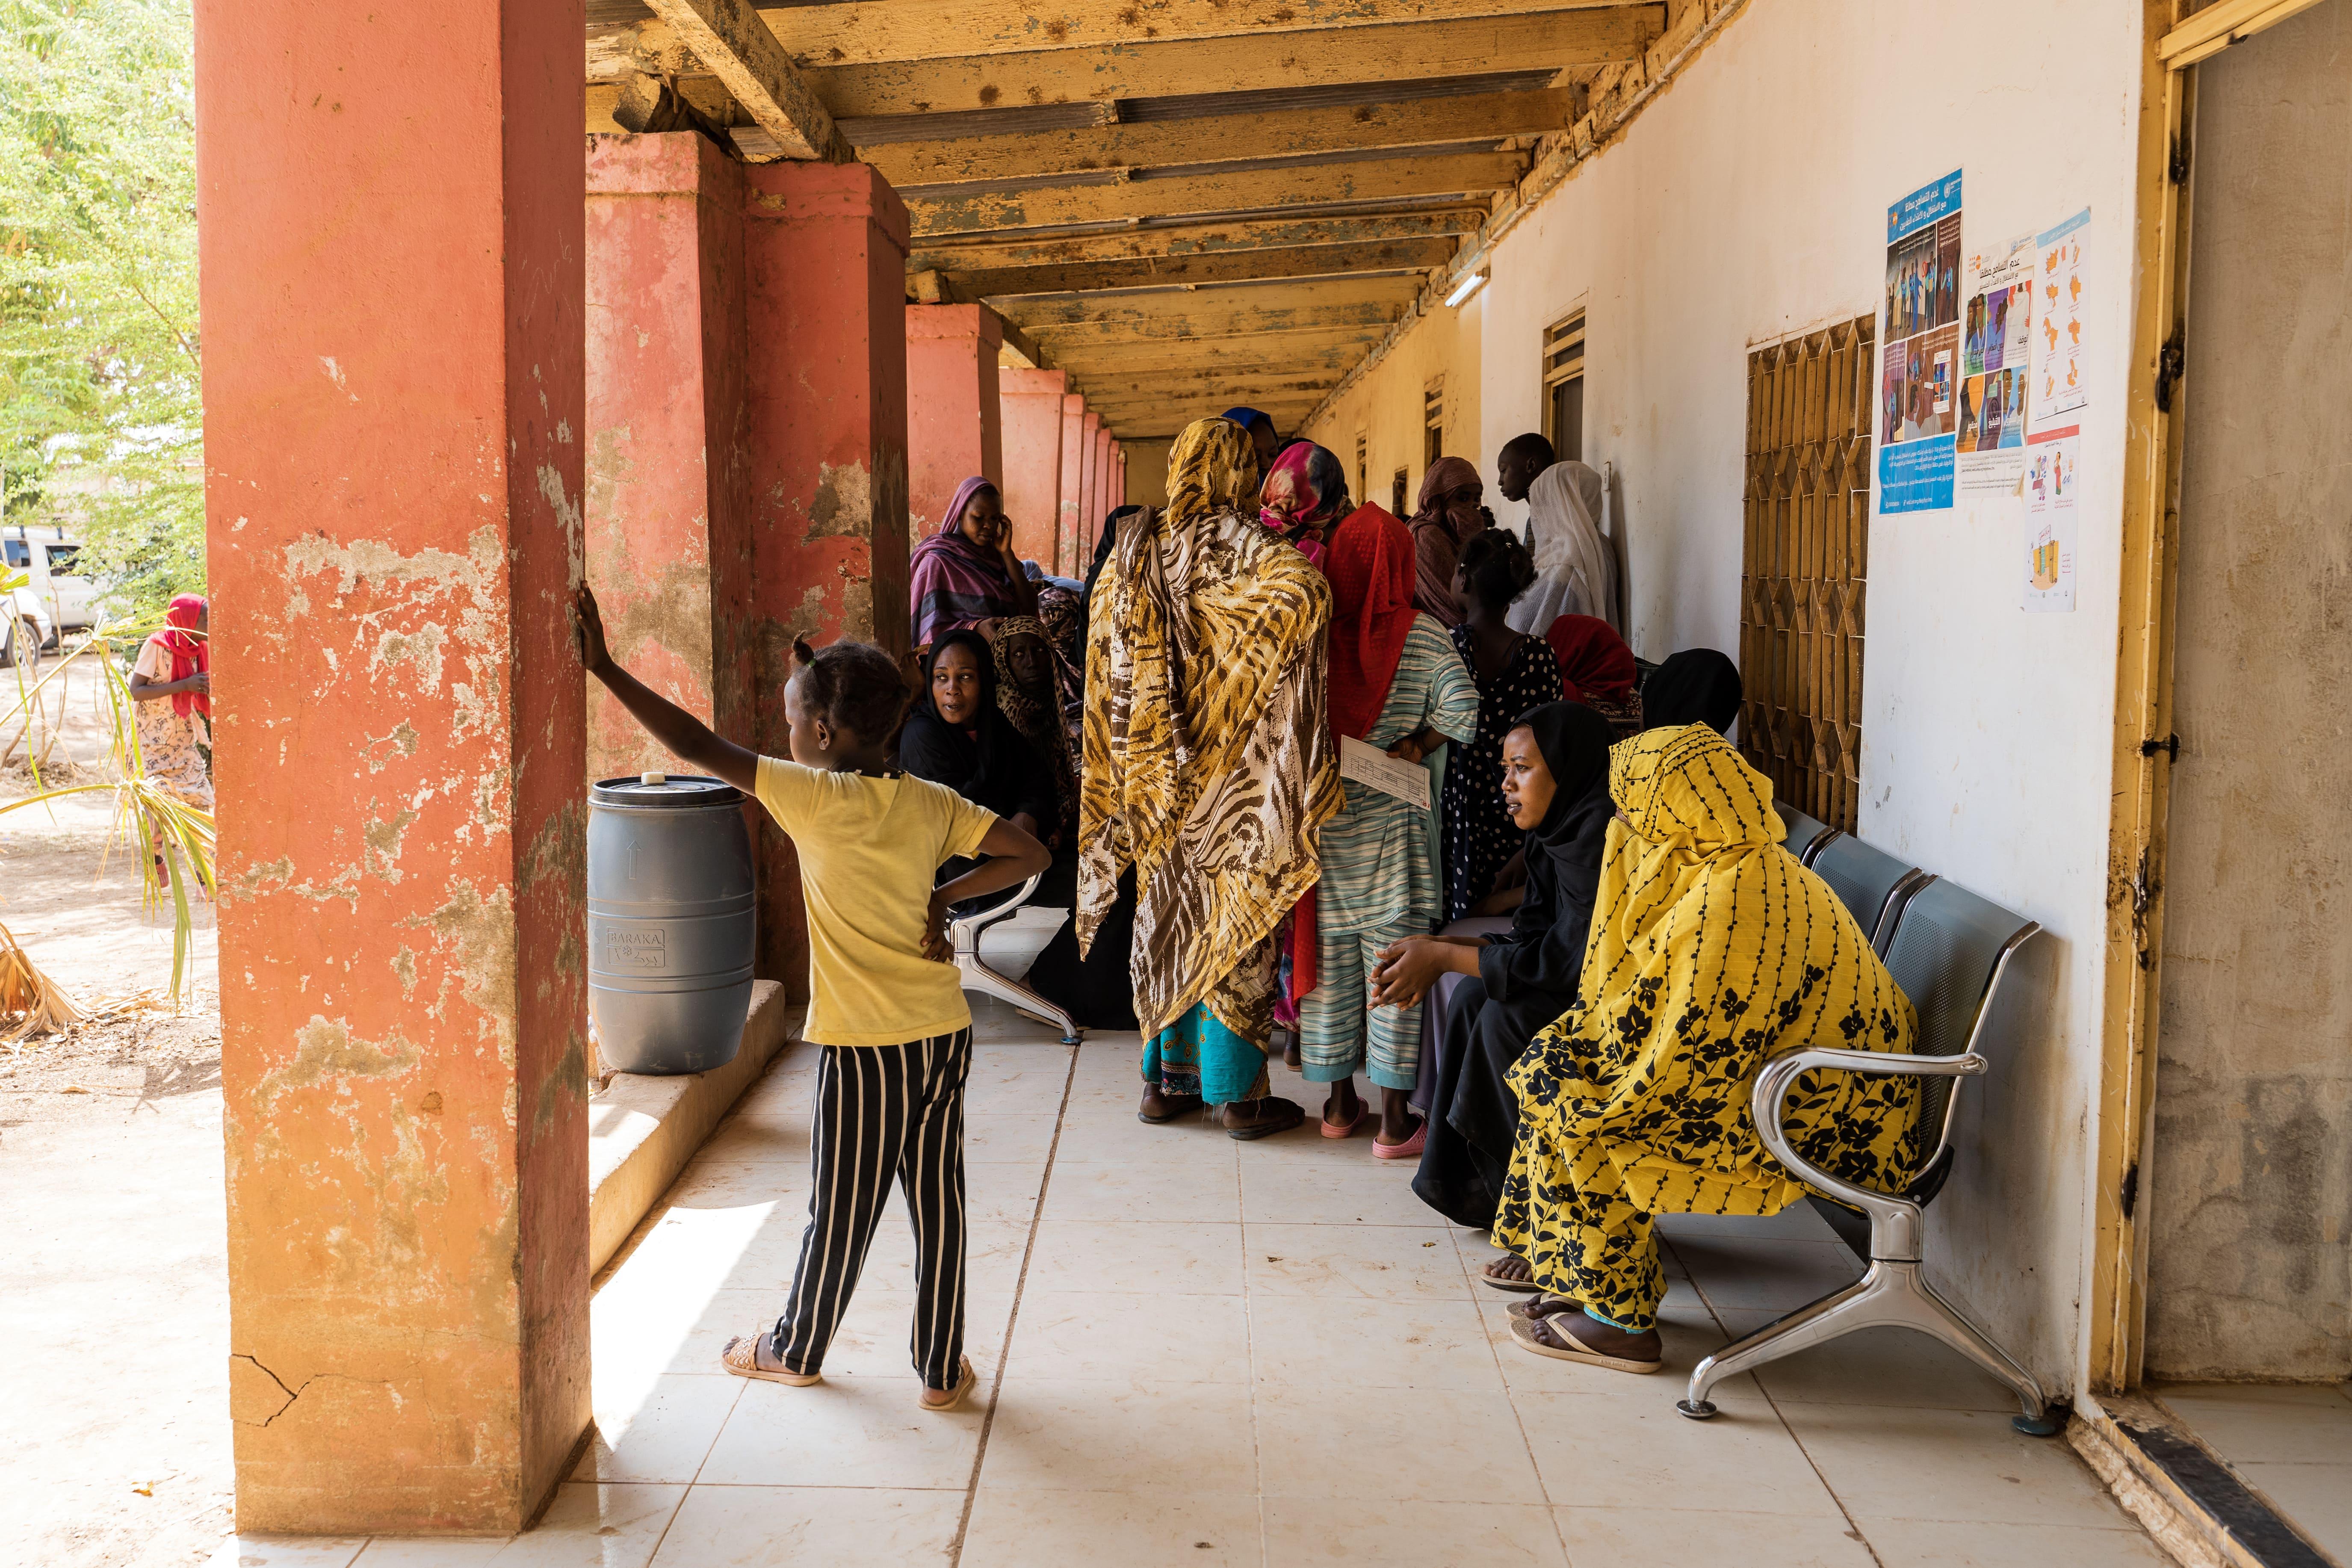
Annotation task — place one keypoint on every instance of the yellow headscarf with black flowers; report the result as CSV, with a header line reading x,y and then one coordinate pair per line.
x,y
1712,951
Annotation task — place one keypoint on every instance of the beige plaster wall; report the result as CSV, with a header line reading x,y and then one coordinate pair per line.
x,y
2250,1178
1385,409
1147,469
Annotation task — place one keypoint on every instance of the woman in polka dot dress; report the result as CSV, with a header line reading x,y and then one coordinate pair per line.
x,y
1515,672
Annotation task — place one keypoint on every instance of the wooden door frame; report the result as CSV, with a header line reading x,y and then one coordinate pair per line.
x,y
2142,762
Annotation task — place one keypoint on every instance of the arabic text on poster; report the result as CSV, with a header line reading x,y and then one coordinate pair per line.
x,y
1919,357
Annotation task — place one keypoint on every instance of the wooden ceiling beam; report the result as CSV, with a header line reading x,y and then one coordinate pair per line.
x,y
1049,313
1554,40
1061,339
739,48
936,213
1207,237
1330,349
1292,261
1279,133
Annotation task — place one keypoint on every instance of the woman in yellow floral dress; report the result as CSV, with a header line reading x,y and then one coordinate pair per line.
x,y
1711,952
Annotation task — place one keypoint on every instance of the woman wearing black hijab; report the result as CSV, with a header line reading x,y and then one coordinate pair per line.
x,y
1696,685
1556,781
958,735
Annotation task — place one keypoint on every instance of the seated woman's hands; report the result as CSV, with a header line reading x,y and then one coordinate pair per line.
x,y
1409,967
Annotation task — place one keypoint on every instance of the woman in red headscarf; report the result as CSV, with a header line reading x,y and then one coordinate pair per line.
x,y
1597,670
172,684
1396,686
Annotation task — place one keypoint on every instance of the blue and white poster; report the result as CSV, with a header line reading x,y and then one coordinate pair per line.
x,y
1920,350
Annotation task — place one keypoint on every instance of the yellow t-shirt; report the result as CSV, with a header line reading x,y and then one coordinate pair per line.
x,y
870,850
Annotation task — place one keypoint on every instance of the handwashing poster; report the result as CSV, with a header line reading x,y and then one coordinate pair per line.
x,y
2050,514
1920,350
1996,370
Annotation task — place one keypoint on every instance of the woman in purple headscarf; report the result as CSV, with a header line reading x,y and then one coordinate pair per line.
x,y
966,574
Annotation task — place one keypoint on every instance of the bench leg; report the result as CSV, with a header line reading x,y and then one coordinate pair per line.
x,y
1891,1295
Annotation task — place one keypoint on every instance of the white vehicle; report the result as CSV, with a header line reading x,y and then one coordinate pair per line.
x,y
48,555
25,625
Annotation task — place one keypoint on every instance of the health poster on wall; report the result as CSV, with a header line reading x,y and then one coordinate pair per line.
x,y
2060,388
1996,375
2050,514
1919,356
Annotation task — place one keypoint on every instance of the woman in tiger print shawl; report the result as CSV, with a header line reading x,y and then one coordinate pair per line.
x,y
1209,768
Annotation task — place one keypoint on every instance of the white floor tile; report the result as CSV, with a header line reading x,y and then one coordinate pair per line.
x,y
288,1552
1632,1450
1371,1192
1952,1464
997,1139
2266,1423
1944,1543
1374,1262
1120,1339
1744,1272
2316,1497
663,1436
810,1527
1088,1437
1692,1537
585,1527
1150,1527
1135,1192
1492,1535
1878,1366
1391,1448
1136,1259
844,1432
1325,1346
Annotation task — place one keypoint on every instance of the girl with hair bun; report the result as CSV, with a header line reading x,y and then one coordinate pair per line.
x,y
1513,672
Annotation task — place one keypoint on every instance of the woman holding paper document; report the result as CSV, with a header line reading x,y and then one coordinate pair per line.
x,y
1398,691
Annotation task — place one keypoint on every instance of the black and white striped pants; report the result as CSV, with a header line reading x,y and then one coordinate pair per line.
x,y
882,1109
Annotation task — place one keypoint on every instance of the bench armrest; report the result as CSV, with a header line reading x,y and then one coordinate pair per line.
x,y
1895,1222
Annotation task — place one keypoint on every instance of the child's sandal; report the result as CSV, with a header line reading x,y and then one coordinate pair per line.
x,y
950,1397
742,1357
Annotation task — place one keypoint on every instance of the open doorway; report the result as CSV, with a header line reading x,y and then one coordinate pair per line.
x,y
2247,1334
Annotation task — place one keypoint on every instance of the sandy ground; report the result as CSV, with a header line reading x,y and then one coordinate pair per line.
x,y
113,1293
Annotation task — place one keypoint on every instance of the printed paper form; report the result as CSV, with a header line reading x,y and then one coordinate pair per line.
x,y
1375,769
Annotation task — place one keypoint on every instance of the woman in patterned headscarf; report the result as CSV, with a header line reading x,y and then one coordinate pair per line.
x,y
1448,516
1028,693
1209,769
1711,952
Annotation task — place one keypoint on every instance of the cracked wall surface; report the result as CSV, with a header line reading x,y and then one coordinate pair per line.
x,y
392,237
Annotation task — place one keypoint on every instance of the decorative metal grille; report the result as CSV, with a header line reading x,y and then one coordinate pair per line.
x,y
1805,565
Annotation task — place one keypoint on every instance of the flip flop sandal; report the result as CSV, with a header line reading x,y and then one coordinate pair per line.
x,y
742,1357
1529,1332
1180,1106
1334,1130
1535,1308
1408,1149
1518,1287
1291,1115
956,1395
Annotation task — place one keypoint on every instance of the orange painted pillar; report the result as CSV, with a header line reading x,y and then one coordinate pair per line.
x,y
1089,487
1031,401
1104,450
390,234
669,495
954,429
824,251
1071,498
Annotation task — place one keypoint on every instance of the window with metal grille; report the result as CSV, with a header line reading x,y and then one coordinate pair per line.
x,y
1563,370
1363,473
1396,494
1804,565
1432,421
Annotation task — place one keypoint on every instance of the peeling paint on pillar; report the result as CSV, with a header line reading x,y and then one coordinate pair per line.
x,y
824,250
954,421
390,238
1030,405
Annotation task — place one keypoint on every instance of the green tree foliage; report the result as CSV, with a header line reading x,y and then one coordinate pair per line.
x,y
100,406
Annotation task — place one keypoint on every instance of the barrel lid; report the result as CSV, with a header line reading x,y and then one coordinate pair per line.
x,y
673,791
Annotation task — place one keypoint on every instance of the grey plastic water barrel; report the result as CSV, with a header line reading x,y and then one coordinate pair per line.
x,y
670,923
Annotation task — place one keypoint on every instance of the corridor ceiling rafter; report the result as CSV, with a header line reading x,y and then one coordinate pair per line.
x,y
1181,203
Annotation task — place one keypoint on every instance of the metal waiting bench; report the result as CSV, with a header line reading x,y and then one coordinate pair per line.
x,y
1949,949
964,932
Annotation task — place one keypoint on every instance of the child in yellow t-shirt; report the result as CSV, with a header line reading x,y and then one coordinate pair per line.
x,y
886,1003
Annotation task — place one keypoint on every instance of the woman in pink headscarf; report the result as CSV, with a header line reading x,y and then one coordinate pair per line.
x,y
966,574
1448,517
172,684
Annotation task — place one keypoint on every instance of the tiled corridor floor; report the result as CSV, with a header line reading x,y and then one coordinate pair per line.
x,y
2291,1442
1197,1352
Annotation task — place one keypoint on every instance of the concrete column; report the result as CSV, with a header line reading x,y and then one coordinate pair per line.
x,y
824,249
1089,488
670,482
954,426
1104,449
1071,501
1032,412
390,240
